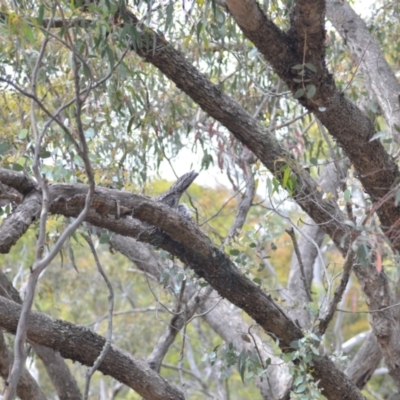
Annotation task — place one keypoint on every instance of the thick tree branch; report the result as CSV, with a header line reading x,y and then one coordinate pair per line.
x,y
353,130
18,222
57,369
82,345
27,388
247,130
224,320
307,27
195,249
18,181
181,317
385,324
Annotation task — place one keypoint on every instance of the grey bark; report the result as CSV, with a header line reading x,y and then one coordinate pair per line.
x,y
304,196
363,46
57,369
364,363
27,388
81,344
309,242
194,249
351,128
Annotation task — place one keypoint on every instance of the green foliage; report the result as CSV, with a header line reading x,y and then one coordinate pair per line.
x,y
304,386
247,362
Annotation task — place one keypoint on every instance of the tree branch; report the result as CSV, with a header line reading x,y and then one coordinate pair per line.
x,y
80,344
184,240
366,51
27,388
352,129
58,371
324,320
364,363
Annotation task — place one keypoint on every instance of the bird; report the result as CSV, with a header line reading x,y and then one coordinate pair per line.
x,y
172,196
184,210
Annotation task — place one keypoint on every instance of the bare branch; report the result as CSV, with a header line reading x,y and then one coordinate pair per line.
x,y
245,203
58,371
324,320
384,316
353,130
177,322
17,223
245,128
290,232
83,345
42,262
27,388
19,349
108,342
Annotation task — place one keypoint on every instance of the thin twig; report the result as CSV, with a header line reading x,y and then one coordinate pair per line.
x,y
369,311
108,342
323,322
256,347
20,337
358,66
244,205
42,262
290,232
290,122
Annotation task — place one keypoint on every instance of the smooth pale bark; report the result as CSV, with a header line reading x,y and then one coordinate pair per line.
x,y
59,373
309,241
364,363
366,52
229,324
385,323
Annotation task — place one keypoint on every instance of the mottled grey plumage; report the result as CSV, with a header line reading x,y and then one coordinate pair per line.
x,y
184,210
172,196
